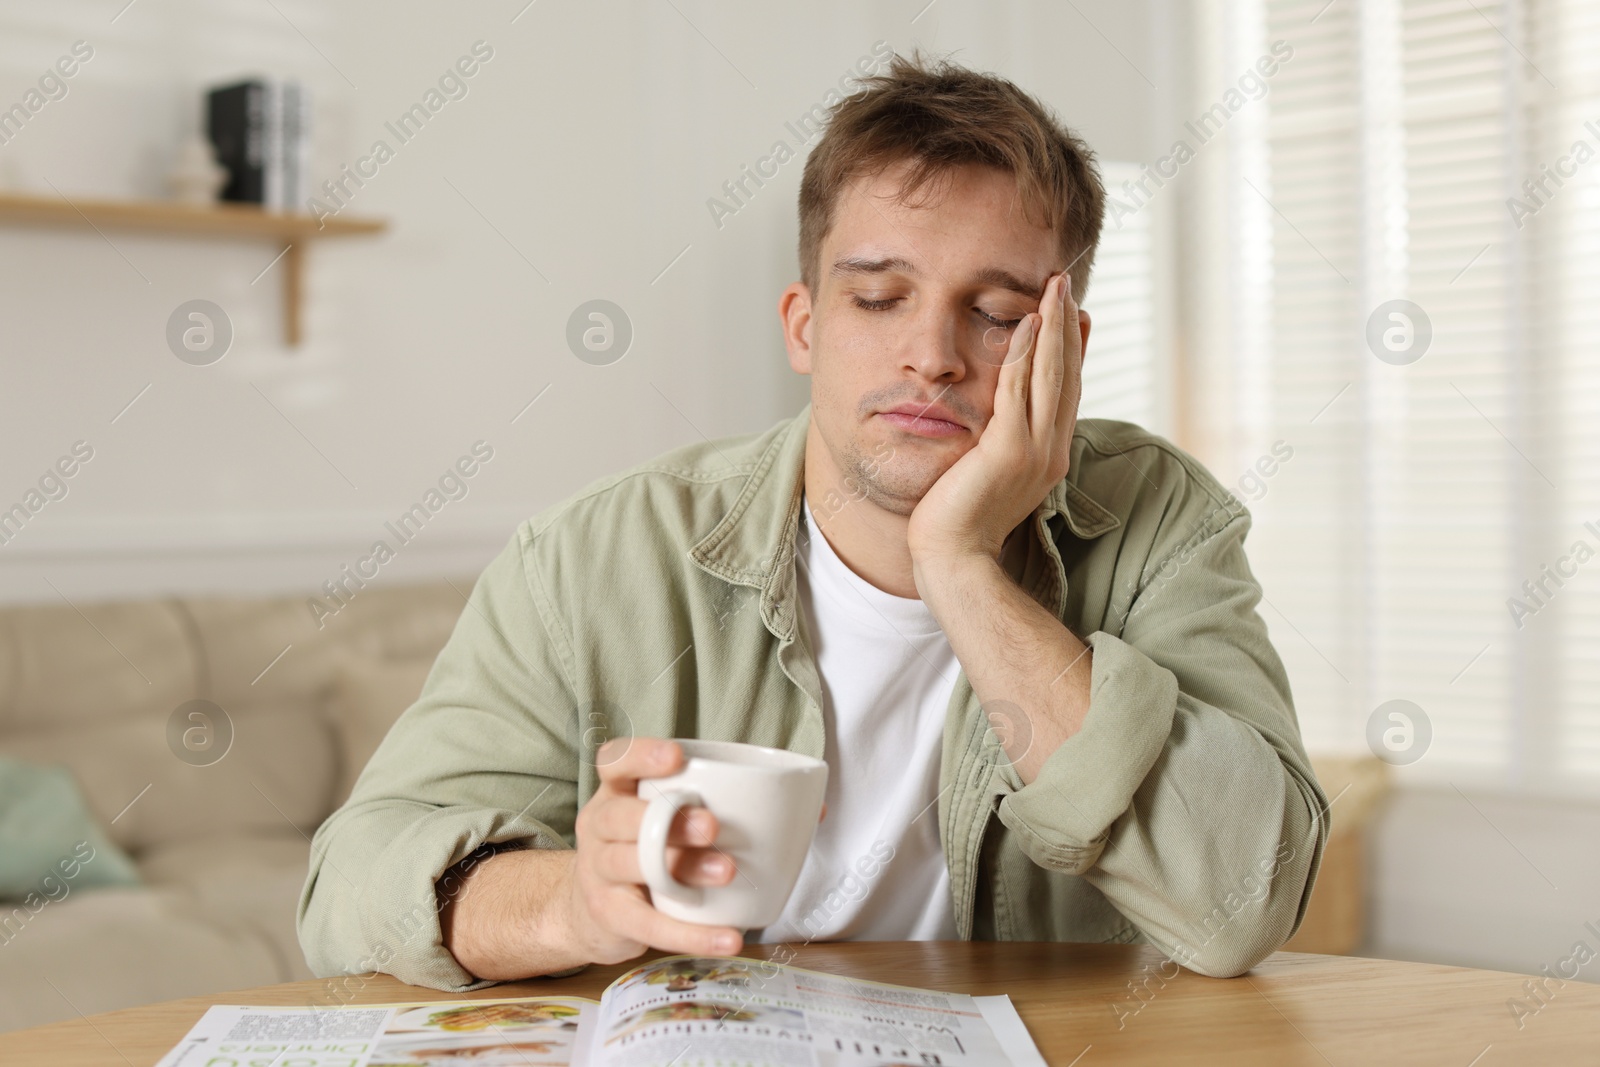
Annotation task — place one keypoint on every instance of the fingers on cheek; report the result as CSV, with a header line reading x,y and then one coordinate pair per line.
x,y
1022,339
1019,359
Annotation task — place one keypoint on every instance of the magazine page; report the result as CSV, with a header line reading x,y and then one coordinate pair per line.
x,y
515,1032
1010,1031
699,1011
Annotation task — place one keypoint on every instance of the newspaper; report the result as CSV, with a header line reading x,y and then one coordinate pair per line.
x,y
679,1011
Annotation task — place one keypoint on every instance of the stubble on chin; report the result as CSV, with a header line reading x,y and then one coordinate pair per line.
x,y
896,486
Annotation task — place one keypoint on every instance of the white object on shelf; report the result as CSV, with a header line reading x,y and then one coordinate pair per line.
x,y
196,177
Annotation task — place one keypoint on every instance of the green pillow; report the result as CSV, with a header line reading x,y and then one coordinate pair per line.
x,y
49,842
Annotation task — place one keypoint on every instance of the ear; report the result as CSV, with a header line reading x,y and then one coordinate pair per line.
x,y
794,310
1083,332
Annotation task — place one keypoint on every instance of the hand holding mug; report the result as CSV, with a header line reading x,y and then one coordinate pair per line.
x,y
608,903
767,802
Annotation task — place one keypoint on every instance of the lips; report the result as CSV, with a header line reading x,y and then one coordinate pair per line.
x,y
924,420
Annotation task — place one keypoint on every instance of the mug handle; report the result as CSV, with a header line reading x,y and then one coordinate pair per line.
x,y
664,806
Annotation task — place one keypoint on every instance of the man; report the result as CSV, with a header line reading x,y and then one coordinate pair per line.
x,y
1026,645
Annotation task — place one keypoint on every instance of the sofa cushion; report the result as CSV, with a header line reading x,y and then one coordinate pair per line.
x,y
277,774
368,696
222,848
241,636
241,882
48,838
118,947
65,666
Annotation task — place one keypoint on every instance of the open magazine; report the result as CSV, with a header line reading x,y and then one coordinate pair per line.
x,y
682,1011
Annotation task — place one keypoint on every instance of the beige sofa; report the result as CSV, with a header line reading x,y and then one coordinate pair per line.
x,y
222,849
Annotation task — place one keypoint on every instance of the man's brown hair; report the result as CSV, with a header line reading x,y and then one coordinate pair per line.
x,y
941,116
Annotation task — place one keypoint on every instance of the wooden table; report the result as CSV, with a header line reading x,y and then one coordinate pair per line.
x,y
1076,1000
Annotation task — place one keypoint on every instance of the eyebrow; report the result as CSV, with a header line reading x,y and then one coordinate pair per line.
x,y
848,266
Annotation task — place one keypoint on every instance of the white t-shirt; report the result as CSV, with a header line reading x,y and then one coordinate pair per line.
x,y
876,870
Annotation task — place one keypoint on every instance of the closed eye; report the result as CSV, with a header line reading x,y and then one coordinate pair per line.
x,y
1007,323
888,302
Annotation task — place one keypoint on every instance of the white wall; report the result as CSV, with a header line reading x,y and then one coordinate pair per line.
x,y
577,166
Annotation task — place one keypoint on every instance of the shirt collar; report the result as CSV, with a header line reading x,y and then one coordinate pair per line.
x,y
754,542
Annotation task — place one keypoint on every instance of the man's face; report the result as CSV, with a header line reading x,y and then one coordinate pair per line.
x,y
914,311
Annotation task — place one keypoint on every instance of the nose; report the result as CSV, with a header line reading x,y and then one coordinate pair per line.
x,y
933,345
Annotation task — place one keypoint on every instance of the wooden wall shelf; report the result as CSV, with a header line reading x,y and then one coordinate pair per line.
x,y
294,229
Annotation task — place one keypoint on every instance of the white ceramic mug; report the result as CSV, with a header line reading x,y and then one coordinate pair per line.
x,y
767,802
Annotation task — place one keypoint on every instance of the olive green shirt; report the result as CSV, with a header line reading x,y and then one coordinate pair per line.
x,y
661,602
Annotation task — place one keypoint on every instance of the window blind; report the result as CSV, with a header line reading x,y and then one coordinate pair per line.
x,y
1121,376
1561,83
1424,490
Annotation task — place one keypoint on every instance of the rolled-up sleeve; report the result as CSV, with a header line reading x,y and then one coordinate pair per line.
x,y
1186,797
486,755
